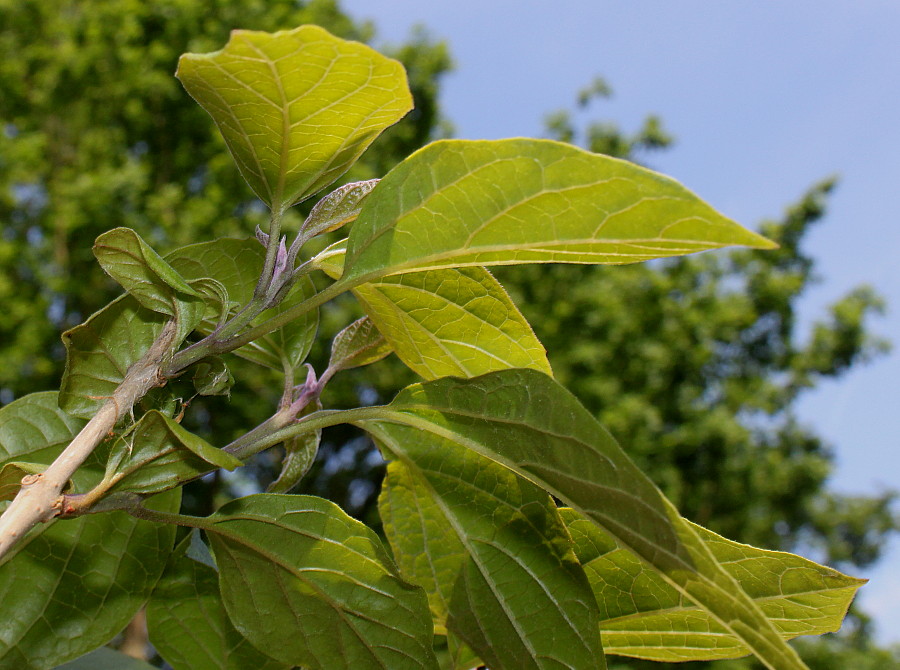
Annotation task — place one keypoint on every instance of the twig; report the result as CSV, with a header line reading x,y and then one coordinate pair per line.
x,y
39,499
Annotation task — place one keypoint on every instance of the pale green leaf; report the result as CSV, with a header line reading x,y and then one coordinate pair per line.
x,y
526,421
448,322
645,617
487,546
462,203
189,627
159,453
296,108
337,209
358,344
236,266
100,351
74,583
299,454
324,578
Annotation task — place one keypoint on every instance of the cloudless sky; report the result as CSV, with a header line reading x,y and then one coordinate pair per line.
x,y
764,98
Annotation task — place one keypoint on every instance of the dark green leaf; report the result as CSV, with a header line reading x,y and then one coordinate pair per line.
x,y
463,203
311,586
158,454
645,617
296,108
492,554
189,627
529,423
75,583
100,351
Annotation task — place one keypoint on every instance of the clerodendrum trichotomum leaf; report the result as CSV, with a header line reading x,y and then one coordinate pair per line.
x,y
504,202
313,587
296,108
71,585
526,421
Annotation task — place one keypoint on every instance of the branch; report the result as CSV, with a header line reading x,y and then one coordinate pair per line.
x,y
39,499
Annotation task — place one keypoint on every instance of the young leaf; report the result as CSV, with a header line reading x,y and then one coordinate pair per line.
x,y
462,203
100,351
125,257
526,421
236,265
188,624
358,344
449,322
86,577
158,454
212,377
492,554
296,108
314,587
644,617
337,209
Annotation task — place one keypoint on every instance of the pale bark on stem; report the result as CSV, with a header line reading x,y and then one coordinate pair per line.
x,y
40,498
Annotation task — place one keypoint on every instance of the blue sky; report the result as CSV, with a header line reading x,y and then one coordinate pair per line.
x,y
765,98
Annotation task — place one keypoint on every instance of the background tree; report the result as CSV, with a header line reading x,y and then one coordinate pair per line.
x,y
692,364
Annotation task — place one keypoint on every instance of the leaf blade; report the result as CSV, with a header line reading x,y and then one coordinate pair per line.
x,y
463,203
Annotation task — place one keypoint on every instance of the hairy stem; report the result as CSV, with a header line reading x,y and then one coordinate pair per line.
x,y
39,499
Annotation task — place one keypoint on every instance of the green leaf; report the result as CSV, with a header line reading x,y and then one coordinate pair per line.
x,y
313,587
100,351
212,377
644,617
141,271
526,421
75,583
296,108
358,344
462,203
299,455
236,265
488,546
449,322
158,454
105,658
11,475
188,624
337,209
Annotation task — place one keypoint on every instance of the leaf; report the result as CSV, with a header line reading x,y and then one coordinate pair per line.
x,y
526,421
296,108
141,271
236,265
488,546
358,344
75,583
100,351
188,624
337,209
158,454
212,377
463,203
644,617
299,455
314,587
105,658
449,322
11,475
